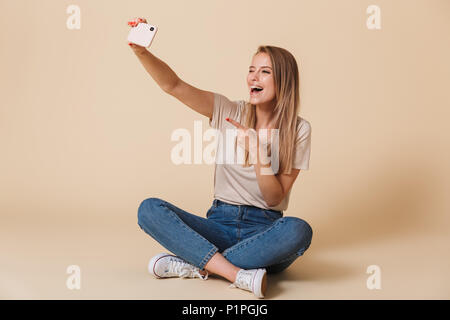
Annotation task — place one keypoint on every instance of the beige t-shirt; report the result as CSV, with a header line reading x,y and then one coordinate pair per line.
x,y
234,183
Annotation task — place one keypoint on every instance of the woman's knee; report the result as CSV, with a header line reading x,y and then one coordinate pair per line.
x,y
299,231
147,209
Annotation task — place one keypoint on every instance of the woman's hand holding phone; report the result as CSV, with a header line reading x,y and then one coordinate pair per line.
x,y
133,23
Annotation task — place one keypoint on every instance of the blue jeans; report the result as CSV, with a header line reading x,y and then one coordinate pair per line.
x,y
247,236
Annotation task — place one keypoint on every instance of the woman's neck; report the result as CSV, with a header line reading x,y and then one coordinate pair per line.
x,y
264,116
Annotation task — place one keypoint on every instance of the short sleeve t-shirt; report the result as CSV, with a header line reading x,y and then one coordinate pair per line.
x,y
236,184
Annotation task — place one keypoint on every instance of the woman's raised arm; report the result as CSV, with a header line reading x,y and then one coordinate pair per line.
x,y
198,100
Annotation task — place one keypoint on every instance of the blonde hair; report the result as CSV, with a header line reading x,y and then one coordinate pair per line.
x,y
287,96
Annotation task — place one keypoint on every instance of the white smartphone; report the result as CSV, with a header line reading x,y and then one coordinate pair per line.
x,y
142,34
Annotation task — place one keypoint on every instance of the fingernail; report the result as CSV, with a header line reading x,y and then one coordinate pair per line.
x,y
228,119
129,43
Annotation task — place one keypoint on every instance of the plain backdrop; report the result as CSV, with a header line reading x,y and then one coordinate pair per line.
x,y
85,137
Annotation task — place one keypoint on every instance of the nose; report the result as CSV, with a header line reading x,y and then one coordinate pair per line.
x,y
254,76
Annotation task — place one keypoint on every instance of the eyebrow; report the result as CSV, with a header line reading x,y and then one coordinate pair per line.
x,y
261,67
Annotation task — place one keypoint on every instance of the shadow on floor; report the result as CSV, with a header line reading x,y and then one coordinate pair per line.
x,y
395,203
309,269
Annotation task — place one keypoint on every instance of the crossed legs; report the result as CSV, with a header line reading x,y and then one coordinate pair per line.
x,y
205,244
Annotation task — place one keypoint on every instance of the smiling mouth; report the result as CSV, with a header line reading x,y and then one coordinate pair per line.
x,y
255,91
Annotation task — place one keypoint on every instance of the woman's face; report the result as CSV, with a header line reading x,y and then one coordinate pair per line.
x,y
261,75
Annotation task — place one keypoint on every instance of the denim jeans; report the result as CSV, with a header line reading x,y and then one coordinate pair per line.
x,y
247,236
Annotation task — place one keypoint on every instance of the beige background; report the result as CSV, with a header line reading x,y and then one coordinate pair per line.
x,y
85,137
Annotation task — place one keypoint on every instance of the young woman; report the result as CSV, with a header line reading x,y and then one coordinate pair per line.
x,y
244,235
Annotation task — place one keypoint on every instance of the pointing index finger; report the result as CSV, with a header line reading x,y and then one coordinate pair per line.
x,y
235,123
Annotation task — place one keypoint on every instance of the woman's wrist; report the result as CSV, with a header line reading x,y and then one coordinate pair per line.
x,y
141,51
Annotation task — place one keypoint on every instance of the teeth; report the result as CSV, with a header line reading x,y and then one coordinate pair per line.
x,y
253,89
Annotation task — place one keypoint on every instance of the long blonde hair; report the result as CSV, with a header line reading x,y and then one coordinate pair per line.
x,y
287,96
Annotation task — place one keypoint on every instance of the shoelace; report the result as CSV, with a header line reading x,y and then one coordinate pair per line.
x,y
185,270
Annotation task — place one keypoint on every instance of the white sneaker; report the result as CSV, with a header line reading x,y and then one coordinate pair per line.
x,y
253,280
165,265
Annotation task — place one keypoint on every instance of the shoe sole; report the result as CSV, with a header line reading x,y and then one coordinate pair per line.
x,y
260,282
152,263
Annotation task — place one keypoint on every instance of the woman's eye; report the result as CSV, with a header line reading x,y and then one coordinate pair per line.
x,y
266,71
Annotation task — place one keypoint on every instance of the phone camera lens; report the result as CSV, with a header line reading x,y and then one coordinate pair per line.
x,y
151,28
